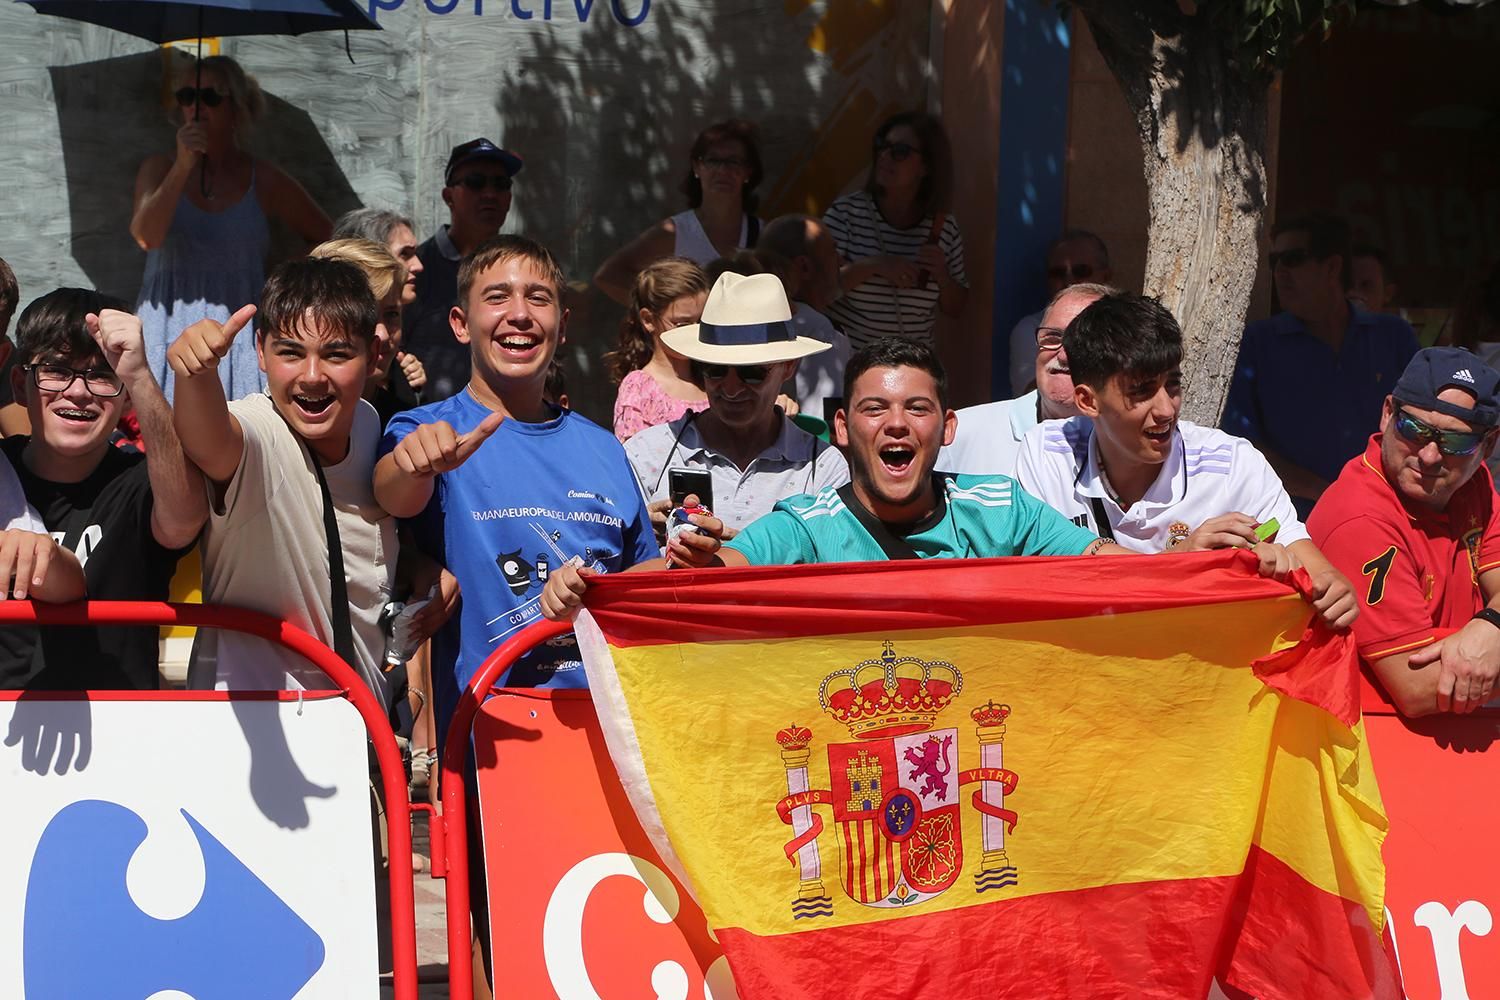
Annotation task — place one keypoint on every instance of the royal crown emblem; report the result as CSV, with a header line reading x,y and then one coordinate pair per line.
x,y
894,790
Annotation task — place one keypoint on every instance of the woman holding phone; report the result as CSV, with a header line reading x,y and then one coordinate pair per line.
x,y
201,214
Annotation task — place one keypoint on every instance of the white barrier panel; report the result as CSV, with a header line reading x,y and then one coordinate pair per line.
x,y
219,849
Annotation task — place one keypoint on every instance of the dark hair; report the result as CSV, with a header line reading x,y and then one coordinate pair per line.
x,y
734,130
369,223
498,248
556,386
936,187
1122,334
743,262
10,296
895,352
1327,235
656,288
1082,236
334,292
53,326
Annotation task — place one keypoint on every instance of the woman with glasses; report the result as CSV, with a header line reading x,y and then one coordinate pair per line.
x,y
201,215
902,254
723,172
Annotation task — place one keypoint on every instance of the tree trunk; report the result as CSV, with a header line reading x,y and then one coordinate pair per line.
x,y
1202,124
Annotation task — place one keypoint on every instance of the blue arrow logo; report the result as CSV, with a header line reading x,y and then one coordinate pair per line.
x,y
85,937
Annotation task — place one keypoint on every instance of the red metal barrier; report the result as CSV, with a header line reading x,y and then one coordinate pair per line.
x,y
352,686
454,831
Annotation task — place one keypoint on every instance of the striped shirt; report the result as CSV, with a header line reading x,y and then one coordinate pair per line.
x,y
1207,473
980,517
878,308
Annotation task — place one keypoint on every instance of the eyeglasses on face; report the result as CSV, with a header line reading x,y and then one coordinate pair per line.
x,y
478,182
1077,272
1048,338
897,151
1452,443
206,96
749,374
58,378
723,163
1295,257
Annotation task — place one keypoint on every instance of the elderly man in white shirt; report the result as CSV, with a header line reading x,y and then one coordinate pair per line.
x,y
988,439
744,348
1131,471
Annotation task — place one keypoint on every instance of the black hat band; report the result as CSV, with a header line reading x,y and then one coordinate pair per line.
x,y
745,334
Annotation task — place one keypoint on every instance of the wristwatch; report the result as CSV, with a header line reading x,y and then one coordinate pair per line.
x,y
1490,615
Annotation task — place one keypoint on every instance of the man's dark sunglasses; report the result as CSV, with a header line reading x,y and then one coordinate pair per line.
x,y
206,96
749,374
1453,443
898,150
59,378
1078,272
1295,257
478,182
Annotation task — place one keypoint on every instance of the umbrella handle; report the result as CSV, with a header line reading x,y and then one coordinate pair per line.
x,y
197,99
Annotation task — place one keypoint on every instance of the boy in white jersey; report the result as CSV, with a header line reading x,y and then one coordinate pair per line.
x,y
1130,470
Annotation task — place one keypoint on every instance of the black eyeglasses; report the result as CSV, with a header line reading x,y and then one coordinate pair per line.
x,y
1451,443
1078,272
1295,257
1048,338
897,150
749,374
478,182
722,163
206,96
58,378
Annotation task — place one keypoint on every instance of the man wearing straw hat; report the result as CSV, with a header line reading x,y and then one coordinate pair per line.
x,y
744,349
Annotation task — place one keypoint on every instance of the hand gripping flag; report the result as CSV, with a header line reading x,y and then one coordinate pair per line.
x,y
1108,777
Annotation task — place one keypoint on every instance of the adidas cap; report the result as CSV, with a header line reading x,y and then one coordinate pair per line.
x,y
1437,368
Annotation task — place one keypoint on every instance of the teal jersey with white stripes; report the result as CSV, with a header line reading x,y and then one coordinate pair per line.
x,y
980,517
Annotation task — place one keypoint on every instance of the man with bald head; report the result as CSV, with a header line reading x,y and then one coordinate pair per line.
x,y
988,439
1415,522
800,250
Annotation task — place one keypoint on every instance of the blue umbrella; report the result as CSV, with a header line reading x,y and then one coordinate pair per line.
x,y
170,20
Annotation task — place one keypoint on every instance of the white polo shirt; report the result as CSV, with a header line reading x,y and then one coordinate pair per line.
x,y
1207,473
988,437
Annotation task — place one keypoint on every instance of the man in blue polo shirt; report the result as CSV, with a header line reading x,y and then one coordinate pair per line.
x,y
1310,381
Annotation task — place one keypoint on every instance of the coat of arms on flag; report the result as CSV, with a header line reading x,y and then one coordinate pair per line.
x,y
894,789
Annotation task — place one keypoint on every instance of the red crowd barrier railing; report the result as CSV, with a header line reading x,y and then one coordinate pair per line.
x,y
392,774
454,831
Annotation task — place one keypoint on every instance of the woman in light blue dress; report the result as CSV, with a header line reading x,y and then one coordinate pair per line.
x,y
202,214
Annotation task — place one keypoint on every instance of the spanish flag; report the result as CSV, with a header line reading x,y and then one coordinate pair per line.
x,y
1071,778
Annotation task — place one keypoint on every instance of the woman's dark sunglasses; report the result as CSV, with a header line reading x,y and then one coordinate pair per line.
x,y
1451,443
749,374
898,150
206,96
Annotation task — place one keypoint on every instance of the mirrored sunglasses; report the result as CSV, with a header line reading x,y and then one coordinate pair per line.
x,y
1452,443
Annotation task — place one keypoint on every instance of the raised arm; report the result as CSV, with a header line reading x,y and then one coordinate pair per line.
x,y
616,275
179,506
404,479
159,184
211,438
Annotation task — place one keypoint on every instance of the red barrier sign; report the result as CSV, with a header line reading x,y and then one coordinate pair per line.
x,y
581,905
1438,778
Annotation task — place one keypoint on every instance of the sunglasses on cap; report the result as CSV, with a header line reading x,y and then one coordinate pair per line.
x,y
206,96
1295,257
1048,338
749,374
898,150
1452,443
1078,272
478,182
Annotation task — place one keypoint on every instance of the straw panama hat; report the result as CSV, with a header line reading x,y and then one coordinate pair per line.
x,y
746,321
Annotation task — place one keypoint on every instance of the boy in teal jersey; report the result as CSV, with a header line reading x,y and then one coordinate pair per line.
x,y
896,422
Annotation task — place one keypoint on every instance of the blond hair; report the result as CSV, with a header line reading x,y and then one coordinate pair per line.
x,y
383,272
656,288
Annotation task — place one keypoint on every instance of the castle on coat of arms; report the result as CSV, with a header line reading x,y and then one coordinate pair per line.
x,y
894,789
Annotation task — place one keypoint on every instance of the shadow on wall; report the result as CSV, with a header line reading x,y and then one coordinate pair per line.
x,y
110,118
626,115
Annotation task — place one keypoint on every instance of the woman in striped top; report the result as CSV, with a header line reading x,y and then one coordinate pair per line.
x,y
902,254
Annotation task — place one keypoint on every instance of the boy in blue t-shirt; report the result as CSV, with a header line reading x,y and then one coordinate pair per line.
x,y
505,487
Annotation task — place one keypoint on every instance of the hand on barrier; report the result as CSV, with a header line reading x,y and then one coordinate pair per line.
x,y
1468,662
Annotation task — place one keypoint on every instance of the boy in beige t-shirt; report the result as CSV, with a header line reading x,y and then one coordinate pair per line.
x,y
264,547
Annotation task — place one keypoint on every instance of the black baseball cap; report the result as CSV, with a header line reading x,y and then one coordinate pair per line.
x,y
481,149
1437,368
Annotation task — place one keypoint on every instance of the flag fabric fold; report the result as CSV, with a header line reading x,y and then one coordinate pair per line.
x,y
1001,778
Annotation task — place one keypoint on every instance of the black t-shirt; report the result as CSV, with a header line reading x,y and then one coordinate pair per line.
x,y
396,396
106,521
426,330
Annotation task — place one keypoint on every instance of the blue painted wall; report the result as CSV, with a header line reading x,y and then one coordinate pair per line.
x,y
1033,145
